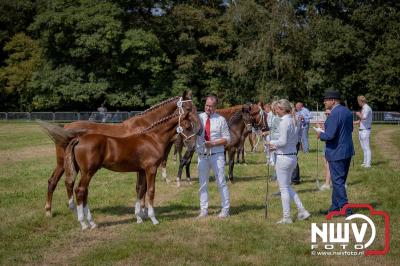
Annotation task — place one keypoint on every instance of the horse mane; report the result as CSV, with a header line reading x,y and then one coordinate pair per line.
x,y
158,105
231,109
157,123
234,118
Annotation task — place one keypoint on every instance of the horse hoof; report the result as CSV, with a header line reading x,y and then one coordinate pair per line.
x,y
190,182
139,220
84,227
93,226
154,220
48,214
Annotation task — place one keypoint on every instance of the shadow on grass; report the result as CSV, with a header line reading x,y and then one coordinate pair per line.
x,y
115,210
119,222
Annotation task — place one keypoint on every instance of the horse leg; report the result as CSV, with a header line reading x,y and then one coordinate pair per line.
x,y
69,185
140,196
81,194
86,211
54,178
164,163
175,152
231,163
252,142
188,162
182,163
150,177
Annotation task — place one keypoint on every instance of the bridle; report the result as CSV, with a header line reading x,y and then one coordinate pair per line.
x,y
261,122
181,112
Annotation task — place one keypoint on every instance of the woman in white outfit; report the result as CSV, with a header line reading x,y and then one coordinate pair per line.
x,y
286,160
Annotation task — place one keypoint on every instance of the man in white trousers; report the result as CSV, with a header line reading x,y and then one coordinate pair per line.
x,y
365,122
210,150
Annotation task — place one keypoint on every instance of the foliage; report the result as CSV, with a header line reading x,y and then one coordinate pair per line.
x,y
131,54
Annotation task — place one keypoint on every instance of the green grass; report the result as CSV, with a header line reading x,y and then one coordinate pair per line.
x,y
246,238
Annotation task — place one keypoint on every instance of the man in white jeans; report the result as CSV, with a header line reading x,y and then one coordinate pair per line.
x,y
210,151
365,122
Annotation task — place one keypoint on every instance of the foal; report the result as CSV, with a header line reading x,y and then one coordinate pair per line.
x,y
141,152
123,129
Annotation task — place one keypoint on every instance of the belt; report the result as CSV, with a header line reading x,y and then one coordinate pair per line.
x,y
286,153
361,129
207,154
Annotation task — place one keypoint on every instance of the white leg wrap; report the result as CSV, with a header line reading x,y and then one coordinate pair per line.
x,y
138,212
152,215
178,182
80,214
88,215
71,203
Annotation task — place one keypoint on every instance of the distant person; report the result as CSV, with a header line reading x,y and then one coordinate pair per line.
x,y
103,112
116,117
339,147
286,160
364,132
304,116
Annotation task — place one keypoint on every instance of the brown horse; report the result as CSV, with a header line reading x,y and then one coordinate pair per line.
x,y
140,152
239,120
259,121
125,128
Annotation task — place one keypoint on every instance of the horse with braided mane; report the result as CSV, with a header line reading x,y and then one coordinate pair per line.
x,y
123,129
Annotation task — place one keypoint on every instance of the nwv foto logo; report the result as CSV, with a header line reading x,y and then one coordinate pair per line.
x,y
329,236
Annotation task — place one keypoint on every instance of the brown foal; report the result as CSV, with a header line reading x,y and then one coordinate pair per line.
x,y
125,128
140,152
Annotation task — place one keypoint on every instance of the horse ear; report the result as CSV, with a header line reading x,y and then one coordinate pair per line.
x,y
187,95
246,108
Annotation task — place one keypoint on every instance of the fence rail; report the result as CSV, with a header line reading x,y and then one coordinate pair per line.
x,y
109,117
116,117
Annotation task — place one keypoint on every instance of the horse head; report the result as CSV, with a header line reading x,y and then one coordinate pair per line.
x,y
257,115
187,106
246,116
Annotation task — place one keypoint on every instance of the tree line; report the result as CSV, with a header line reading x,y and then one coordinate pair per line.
x,y
130,54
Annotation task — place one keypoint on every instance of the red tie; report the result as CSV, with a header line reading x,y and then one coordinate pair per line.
x,y
207,131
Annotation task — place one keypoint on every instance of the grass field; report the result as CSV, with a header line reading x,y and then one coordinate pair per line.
x,y
246,238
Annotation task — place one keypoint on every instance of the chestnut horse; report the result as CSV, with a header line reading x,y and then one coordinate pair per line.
x,y
239,121
125,128
140,152
259,121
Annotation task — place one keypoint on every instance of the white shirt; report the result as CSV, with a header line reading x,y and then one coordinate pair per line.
x,y
218,129
366,117
288,137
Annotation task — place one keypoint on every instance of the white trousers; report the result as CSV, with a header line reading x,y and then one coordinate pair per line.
x,y
285,165
363,136
217,163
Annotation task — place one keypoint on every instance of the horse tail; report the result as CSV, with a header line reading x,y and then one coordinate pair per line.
x,y
58,134
70,165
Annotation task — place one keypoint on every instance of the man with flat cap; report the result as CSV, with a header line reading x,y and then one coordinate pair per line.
x,y
339,146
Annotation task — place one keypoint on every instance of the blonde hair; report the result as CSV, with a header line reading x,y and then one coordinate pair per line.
x,y
362,99
288,108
